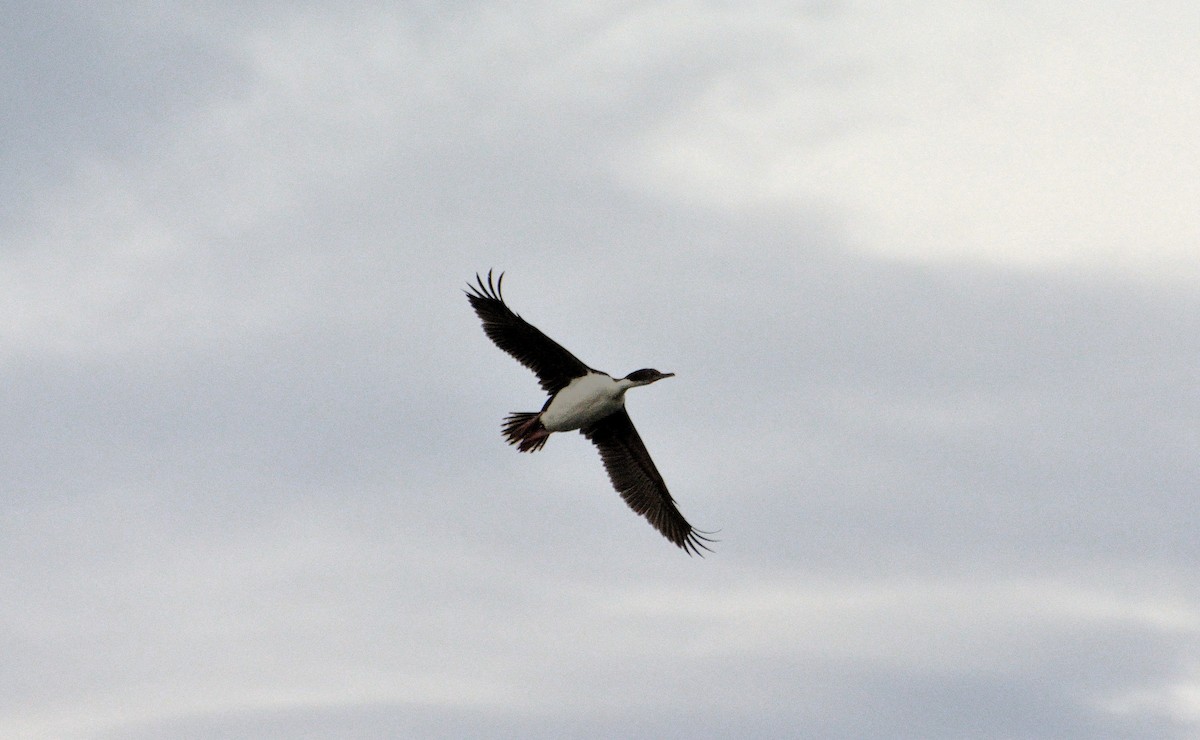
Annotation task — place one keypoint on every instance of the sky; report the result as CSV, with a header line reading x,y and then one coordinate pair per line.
x,y
927,274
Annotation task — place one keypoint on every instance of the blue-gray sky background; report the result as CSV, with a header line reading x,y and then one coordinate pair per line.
x,y
928,275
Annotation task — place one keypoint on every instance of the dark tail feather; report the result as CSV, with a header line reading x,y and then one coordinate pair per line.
x,y
524,430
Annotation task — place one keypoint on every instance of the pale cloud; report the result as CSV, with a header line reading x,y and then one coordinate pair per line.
x,y
1180,701
1054,136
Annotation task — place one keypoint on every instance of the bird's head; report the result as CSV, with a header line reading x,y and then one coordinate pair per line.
x,y
646,376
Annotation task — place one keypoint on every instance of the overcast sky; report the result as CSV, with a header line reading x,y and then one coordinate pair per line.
x,y
928,275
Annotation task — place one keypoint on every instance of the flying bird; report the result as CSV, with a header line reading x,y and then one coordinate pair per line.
x,y
589,400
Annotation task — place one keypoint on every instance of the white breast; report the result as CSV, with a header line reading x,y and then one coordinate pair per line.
x,y
585,399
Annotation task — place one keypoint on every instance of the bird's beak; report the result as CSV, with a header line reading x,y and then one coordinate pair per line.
x,y
667,375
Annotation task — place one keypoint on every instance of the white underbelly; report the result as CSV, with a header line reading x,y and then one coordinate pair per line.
x,y
585,400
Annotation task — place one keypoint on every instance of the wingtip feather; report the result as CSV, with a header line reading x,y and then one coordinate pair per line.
x,y
697,540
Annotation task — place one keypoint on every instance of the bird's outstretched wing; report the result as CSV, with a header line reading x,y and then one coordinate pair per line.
x,y
637,480
554,365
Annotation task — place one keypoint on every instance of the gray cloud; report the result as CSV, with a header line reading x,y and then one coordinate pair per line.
x,y
254,479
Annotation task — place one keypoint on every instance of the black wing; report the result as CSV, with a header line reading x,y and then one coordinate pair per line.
x,y
554,365
637,480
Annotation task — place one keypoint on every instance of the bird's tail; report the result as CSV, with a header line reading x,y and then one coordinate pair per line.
x,y
525,430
